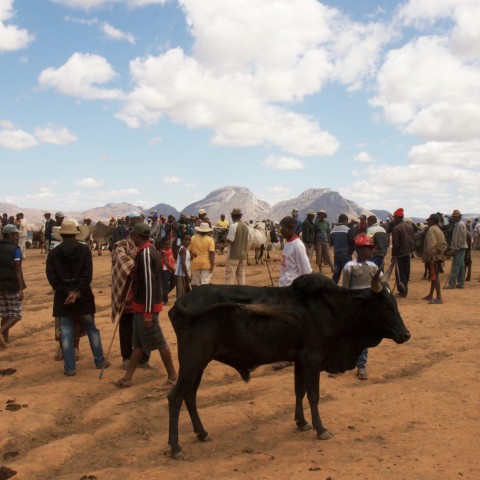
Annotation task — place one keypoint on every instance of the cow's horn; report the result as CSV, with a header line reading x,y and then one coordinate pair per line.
x,y
386,275
376,285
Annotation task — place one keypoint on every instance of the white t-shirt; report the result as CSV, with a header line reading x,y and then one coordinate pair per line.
x,y
293,262
179,270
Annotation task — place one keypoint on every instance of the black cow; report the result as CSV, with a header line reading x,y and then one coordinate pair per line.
x,y
314,323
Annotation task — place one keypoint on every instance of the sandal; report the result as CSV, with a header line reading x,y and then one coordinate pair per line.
x,y
121,383
435,301
167,386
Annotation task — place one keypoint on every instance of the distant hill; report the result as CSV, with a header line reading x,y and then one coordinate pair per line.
x,y
165,209
318,199
223,200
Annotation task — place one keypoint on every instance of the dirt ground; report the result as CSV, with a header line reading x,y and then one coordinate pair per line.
x,y
417,417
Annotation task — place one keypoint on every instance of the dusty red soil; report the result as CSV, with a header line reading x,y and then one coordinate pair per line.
x,y
417,417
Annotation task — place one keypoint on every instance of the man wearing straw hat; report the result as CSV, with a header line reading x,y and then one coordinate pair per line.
x,y
69,272
202,250
237,242
457,249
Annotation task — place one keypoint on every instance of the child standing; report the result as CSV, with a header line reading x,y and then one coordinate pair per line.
x,y
183,271
168,268
358,274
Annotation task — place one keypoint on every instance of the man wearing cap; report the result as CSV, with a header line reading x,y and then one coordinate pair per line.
x,y
298,222
434,248
294,262
403,244
202,250
59,217
380,241
147,304
457,249
237,243
358,274
69,272
21,224
49,223
308,233
322,241
11,282
202,218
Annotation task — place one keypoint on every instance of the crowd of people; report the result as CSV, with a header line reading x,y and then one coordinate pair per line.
x,y
155,254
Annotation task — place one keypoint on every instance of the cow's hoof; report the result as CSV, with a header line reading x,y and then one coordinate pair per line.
x,y
178,454
203,437
305,428
325,435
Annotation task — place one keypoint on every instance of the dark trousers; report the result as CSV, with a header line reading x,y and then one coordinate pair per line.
x,y
402,274
168,284
378,260
125,329
339,261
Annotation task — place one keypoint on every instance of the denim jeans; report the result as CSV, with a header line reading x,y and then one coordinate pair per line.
x,y
458,269
339,261
362,358
66,328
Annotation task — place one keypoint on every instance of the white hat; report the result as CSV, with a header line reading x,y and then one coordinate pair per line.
x,y
202,211
204,227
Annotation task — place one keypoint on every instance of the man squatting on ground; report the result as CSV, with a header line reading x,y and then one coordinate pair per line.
x,y
147,304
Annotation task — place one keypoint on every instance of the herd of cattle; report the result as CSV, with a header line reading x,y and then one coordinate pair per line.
x,y
98,236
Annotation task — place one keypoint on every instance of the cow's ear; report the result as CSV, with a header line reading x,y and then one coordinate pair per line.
x,y
312,283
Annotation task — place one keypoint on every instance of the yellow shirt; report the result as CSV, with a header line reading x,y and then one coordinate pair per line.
x,y
222,223
201,246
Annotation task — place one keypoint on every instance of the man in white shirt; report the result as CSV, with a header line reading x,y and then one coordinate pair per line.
x,y
293,263
294,260
21,224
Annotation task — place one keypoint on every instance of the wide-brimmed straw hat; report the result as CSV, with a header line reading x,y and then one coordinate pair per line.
x,y
204,227
68,227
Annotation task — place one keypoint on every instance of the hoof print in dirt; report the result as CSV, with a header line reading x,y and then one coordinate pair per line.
x,y
12,406
7,371
8,455
6,473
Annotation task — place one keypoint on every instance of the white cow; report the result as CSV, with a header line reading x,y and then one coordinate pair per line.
x,y
257,239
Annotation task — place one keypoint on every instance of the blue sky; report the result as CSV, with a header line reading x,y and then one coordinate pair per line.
x,y
149,101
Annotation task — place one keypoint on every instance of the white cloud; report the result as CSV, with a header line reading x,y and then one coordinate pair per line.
x,y
82,21
282,163
92,4
245,73
115,34
79,76
364,157
54,134
15,139
190,185
89,182
438,177
172,180
11,37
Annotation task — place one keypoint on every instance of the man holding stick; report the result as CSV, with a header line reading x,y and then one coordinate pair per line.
x,y
147,304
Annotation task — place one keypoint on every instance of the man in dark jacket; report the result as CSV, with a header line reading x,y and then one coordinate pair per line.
x,y
69,272
341,239
308,233
11,282
403,242
147,304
